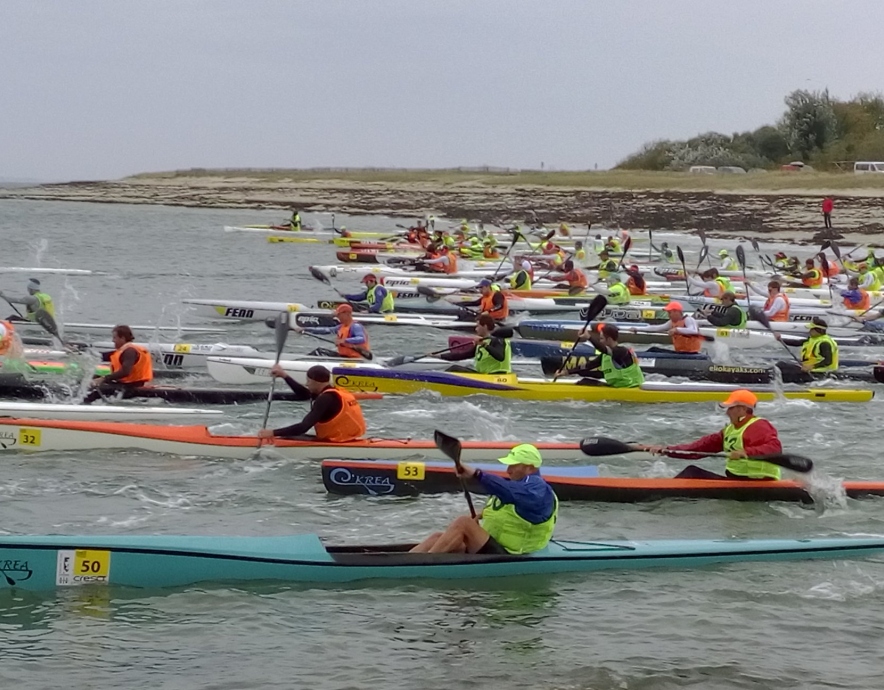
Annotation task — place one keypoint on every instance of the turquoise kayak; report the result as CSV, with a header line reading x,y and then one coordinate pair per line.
x,y
46,562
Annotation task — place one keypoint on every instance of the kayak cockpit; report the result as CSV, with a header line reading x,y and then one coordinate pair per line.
x,y
399,554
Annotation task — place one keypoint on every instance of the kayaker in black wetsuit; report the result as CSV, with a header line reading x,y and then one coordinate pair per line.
x,y
335,415
724,315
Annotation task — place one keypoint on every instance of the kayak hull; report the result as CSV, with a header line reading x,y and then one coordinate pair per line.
x,y
137,413
571,483
510,386
44,563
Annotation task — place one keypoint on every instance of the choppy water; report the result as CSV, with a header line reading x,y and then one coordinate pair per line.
x,y
802,625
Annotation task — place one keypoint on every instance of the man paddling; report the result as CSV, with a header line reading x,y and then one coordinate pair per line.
x,y
491,352
492,301
379,299
350,336
725,315
131,366
682,329
819,353
744,438
617,363
35,301
335,415
519,517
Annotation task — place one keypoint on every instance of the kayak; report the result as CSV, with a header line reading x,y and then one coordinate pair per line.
x,y
571,483
45,563
293,238
242,310
48,435
108,327
50,271
511,386
136,413
190,355
325,320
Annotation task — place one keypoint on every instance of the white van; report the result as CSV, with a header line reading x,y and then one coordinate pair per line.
x,y
862,167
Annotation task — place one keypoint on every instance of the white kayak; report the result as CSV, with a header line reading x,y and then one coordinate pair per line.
x,y
117,413
190,355
108,327
242,310
55,271
333,271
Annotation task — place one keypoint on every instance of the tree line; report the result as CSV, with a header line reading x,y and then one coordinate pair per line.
x,y
815,128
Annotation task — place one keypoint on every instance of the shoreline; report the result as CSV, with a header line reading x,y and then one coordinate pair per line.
x,y
726,210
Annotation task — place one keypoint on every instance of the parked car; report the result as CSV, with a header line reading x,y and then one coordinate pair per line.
x,y
796,166
731,169
863,167
702,170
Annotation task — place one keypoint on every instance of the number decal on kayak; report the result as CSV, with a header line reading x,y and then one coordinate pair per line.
x,y
293,307
353,257
181,347
648,313
29,437
411,470
82,566
390,317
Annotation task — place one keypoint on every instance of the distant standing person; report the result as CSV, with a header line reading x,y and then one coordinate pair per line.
x,y
828,207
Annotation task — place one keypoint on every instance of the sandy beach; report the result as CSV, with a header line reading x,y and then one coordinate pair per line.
x,y
724,206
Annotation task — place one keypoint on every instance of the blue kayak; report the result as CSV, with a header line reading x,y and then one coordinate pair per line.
x,y
47,562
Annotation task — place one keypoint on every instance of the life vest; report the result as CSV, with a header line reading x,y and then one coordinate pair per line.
x,y
487,304
295,222
580,255
490,252
633,287
7,341
576,278
614,246
520,281
833,269
386,305
513,532
724,285
484,363
743,320
810,352
629,377
746,467
686,343
618,294
45,304
728,264
782,314
347,425
452,264
864,303
815,280
142,370
346,350
874,283
606,268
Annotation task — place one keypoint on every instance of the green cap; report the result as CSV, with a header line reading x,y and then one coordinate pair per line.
x,y
523,454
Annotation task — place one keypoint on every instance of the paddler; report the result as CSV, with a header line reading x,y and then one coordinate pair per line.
x,y
616,291
812,276
744,438
635,282
491,351
819,353
575,279
725,315
868,279
856,297
131,366
10,344
519,517
682,329
612,245
35,301
492,301
579,253
617,363
446,262
666,253
776,307
728,263
379,299
335,415
295,221
606,266
712,284
351,338
489,247
553,253
521,280
781,261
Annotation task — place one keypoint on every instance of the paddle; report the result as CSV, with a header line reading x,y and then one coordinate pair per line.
x,y
596,307
14,308
757,314
824,265
282,332
516,236
684,269
399,360
433,296
42,317
741,259
597,446
704,253
626,245
322,278
452,448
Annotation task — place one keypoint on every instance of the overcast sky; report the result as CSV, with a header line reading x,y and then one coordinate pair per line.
x,y
96,89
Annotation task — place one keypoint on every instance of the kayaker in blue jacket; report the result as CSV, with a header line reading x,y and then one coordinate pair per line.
x,y
379,299
518,518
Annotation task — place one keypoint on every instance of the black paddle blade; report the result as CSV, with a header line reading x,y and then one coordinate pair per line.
x,y
795,463
596,446
836,250
281,324
319,275
757,314
702,235
429,293
704,252
596,307
741,256
680,255
448,445
755,246
397,361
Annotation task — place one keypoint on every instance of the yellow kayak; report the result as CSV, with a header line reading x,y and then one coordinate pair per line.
x,y
511,386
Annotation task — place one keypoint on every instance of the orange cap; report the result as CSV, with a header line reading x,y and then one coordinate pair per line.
x,y
344,308
673,306
741,397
